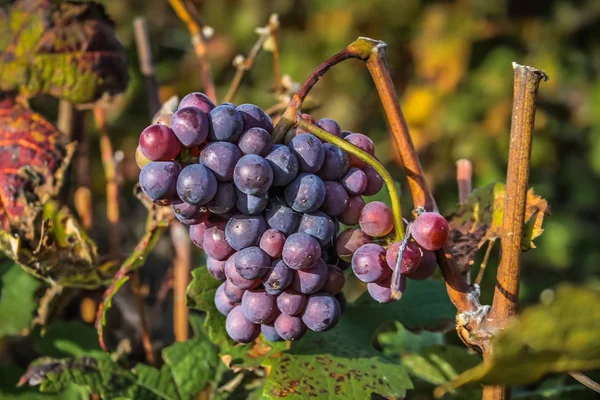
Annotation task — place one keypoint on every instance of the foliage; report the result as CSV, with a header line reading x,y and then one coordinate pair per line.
x,y
16,287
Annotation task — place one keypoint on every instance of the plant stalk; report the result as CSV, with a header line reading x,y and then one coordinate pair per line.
x,y
182,265
142,40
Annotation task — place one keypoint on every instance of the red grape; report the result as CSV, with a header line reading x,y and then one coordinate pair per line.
x,y
410,259
376,219
430,230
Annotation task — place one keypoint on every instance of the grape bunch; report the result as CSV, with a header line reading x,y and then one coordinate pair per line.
x,y
268,215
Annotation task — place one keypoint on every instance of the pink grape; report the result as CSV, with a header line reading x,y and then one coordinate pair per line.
x,y
430,230
369,264
376,219
410,259
159,143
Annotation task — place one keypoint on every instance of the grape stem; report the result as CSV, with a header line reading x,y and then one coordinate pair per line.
x,y
397,274
367,158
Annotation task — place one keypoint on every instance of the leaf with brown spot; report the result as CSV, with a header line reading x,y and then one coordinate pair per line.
x,y
66,49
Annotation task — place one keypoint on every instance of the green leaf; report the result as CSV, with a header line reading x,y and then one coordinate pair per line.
x,y
66,49
438,364
9,376
549,338
17,298
401,340
69,339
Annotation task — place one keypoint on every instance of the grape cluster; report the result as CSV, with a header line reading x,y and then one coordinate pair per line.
x,y
268,215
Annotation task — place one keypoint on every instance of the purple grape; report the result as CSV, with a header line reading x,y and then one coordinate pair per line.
x,y
191,126
221,158
196,184
270,333
301,251
272,242
215,245
245,230
279,276
335,163
354,181
222,302
235,279
280,217
259,306
335,280
284,163
336,199
345,134
291,302
410,259
306,193
289,328
329,125
426,268
341,298
353,211
197,233
158,180
255,117
249,204
381,292
255,141
312,280
159,143
369,264
252,263
253,175
233,292
320,226
227,124
198,100
216,268
224,199
349,241
240,328
309,150
374,181
363,142
322,312
189,214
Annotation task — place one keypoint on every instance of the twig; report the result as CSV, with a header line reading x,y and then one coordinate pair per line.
x,y
486,258
142,40
586,381
464,175
182,265
139,301
506,292
199,42
396,283
274,28
112,188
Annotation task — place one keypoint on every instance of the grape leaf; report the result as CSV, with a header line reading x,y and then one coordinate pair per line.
x,y
9,376
479,219
66,49
17,298
400,340
68,339
549,338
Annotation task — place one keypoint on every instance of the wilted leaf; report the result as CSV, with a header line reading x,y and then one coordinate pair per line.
x,y
558,337
479,219
17,287
66,49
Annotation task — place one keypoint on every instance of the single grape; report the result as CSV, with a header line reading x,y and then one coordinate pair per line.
x,y
159,180
289,328
240,328
255,117
270,333
335,163
341,298
410,259
227,124
349,241
301,251
222,302
430,230
198,100
279,276
369,264
272,242
255,141
322,312
259,306
165,119
329,125
284,163
159,143
224,199
291,302
354,181
353,210
189,214
381,292
336,199
235,279
320,226
197,233
306,193
216,268
233,292
215,245
376,219
363,142
252,263
311,280
374,181
191,126
309,150
335,280
245,230
196,184
221,158
140,159
281,217
253,175
426,268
